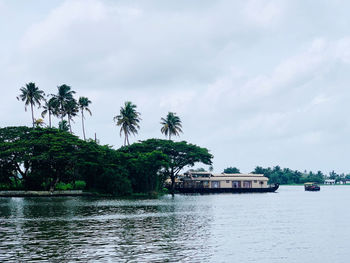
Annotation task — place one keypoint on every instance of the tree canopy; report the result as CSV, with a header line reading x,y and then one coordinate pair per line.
x,y
232,170
171,125
31,95
41,158
179,155
128,120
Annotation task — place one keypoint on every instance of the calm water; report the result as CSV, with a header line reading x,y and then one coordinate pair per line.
x,y
288,226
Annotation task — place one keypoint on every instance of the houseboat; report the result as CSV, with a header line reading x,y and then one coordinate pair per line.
x,y
205,182
311,187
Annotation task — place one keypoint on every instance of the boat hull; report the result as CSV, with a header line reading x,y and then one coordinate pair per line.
x,y
226,190
313,190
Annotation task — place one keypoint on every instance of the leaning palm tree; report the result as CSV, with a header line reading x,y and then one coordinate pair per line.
x,y
83,105
71,109
51,108
129,120
32,95
171,125
63,95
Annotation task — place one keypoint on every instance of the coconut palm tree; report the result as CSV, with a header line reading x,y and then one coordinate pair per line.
x,y
51,108
129,120
71,109
63,95
63,126
171,125
83,105
32,95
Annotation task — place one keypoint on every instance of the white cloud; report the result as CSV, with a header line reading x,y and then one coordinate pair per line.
x,y
248,81
263,12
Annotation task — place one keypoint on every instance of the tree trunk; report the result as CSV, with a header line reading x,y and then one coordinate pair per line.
x,y
126,139
49,118
82,122
53,185
31,106
70,127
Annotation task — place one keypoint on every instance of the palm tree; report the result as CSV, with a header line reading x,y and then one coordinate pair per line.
x,y
32,95
62,126
71,109
50,108
171,125
83,105
129,120
63,95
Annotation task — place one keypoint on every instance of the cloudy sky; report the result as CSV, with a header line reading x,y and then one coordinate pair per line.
x,y
256,82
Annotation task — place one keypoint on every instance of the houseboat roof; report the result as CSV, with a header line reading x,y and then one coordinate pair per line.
x,y
221,177
237,175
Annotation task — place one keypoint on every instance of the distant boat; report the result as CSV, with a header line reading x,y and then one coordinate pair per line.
x,y
205,182
311,187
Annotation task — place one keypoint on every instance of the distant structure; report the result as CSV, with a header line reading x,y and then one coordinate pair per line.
x,y
329,181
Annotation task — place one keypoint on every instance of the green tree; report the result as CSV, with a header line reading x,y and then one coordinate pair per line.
x,y
63,126
31,95
231,170
171,125
51,108
40,156
84,106
71,109
128,120
63,96
179,155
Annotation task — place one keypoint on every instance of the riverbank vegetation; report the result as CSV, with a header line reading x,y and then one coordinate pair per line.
x,y
280,175
49,158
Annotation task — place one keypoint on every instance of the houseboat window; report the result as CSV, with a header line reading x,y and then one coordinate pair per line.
x,y
247,184
255,181
236,184
215,184
227,181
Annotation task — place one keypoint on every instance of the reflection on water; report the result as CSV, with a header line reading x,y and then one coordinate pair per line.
x,y
288,226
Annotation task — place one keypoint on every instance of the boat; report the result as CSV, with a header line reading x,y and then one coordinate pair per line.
x,y
206,182
312,186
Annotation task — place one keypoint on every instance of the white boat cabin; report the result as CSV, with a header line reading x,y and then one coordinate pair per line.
x,y
209,180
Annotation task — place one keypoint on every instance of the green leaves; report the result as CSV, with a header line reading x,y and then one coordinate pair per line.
x,y
129,120
44,157
171,125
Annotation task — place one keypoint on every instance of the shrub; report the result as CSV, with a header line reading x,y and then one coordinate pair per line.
x,y
114,182
79,185
63,187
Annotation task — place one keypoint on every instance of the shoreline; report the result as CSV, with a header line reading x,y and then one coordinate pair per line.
x,y
44,193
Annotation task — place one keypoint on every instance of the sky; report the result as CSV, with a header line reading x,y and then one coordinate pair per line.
x,y
257,82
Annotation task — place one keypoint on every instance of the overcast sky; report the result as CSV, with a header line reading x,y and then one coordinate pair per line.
x,y
256,82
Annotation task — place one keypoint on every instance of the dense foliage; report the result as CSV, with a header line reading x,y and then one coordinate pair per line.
x,y
178,155
288,176
48,159
231,170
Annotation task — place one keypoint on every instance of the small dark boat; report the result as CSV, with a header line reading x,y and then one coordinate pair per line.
x,y
311,187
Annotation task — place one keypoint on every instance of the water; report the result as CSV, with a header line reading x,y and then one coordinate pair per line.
x,y
288,226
